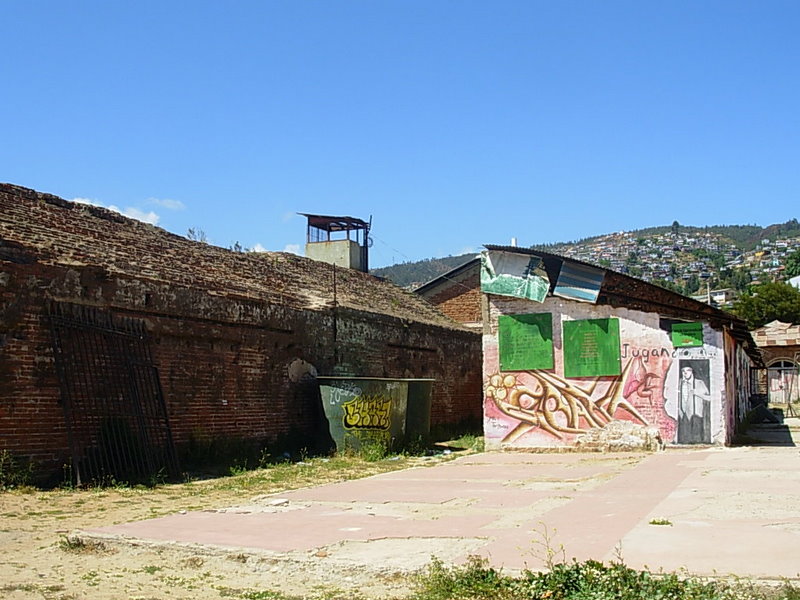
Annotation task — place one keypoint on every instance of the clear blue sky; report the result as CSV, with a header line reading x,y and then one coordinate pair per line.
x,y
452,123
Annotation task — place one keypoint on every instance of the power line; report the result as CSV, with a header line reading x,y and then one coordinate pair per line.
x,y
444,276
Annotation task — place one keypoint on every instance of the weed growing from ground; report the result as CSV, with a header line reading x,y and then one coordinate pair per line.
x,y
587,580
14,472
77,545
544,542
373,451
469,442
660,522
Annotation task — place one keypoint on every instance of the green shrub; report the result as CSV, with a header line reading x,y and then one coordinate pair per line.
x,y
587,580
14,472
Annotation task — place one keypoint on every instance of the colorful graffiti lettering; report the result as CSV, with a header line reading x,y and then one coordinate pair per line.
x,y
368,412
557,406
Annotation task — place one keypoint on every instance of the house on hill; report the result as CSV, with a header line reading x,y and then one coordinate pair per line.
x,y
569,348
120,342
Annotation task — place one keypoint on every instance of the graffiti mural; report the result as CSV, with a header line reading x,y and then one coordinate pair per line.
x,y
540,400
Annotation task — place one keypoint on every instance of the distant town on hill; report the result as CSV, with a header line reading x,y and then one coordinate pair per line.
x,y
687,259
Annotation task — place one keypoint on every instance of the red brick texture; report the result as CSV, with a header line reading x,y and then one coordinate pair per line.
x,y
461,302
224,326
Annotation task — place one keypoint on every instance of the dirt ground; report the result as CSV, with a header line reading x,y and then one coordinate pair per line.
x,y
42,558
43,555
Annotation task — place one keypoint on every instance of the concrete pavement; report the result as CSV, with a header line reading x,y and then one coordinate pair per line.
x,y
711,511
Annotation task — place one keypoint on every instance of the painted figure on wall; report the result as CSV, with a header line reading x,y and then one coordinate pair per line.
x,y
694,403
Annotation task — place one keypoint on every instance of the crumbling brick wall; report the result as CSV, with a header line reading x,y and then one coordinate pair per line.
x,y
461,302
458,294
224,327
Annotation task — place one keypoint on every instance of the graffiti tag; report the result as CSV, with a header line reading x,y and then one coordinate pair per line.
x,y
368,412
343,391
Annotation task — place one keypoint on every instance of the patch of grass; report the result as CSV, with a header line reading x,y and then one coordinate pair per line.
x,y
77,545
14,472
585,580
19,587
660,522
152,569
475,580
263,595
92,578
226,592
469,441
373,451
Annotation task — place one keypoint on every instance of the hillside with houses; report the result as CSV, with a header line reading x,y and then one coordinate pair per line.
x,y
718,261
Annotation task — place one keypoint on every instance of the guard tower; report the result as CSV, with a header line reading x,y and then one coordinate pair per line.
x,y
342,241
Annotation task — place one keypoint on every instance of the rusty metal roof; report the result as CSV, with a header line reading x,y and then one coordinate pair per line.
x,y
330,223
624,291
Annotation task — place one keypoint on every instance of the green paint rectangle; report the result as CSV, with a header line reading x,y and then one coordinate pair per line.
x,y
526,342
687,334
591,348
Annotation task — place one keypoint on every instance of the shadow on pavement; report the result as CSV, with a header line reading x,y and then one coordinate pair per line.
x,y
769,434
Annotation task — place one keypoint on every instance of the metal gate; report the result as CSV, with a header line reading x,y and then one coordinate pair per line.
x,y
114,409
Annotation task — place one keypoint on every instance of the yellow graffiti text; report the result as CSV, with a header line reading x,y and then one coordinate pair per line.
x,y
368,412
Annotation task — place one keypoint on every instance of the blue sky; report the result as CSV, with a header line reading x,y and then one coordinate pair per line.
x,y
451,123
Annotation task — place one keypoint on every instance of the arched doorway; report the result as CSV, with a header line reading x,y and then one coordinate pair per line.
x,y
782,381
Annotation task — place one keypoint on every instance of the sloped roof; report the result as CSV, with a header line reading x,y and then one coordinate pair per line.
x,y
625,291
777,333
448,277
330,223
59,232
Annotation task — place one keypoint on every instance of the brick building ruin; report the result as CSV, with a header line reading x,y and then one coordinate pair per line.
x,y
215,344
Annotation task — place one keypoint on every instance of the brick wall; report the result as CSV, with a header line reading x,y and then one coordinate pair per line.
x,y
459,297
223,326
460,305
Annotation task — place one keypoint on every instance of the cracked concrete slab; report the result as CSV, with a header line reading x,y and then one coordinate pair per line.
x,y
705,510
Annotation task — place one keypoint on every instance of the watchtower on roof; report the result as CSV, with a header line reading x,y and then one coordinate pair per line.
x,y
342,241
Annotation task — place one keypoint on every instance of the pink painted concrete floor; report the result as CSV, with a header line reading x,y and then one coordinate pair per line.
x,y
722,511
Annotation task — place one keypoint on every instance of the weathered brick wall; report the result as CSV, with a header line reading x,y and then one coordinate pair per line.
x,y
31,420
775,353
460,297
223,326
460,305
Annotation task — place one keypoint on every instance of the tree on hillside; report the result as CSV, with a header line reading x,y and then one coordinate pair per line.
x,y
793,264
738,279
768,302
675,227
692,284
670,285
